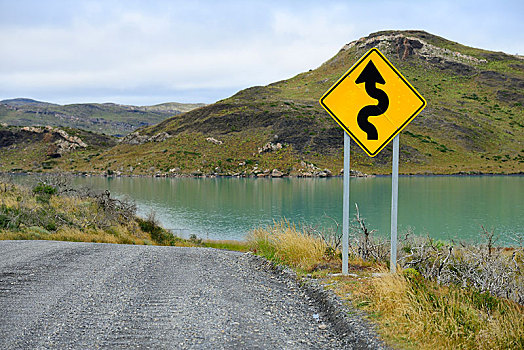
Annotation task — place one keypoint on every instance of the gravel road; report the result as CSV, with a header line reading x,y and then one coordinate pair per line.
x,y
65,295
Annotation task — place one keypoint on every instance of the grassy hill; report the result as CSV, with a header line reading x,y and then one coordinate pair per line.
x,y
474,121
108,118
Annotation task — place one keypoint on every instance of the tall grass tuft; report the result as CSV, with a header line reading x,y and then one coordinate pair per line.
x,y
284,243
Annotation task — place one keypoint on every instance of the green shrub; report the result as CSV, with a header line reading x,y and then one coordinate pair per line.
x,y
194,239
411,274
50,226
158,234
42,188
38,231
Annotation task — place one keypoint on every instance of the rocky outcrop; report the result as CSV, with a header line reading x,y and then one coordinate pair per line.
x,y
64,142
213,140
270,147
136,139
70,139
311,170
33,129
407,46
355,173
160,137
276,173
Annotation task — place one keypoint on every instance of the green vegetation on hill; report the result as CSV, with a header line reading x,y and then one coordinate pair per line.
x,y
474,121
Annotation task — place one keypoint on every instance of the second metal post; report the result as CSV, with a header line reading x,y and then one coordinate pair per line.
x,y
394,205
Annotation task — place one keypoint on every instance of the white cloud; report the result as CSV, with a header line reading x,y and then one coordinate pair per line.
x,y
135,49
164,46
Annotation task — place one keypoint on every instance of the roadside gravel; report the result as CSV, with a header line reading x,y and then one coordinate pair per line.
x,y
62,295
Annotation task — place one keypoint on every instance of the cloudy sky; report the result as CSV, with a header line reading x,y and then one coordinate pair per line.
x,y
148,52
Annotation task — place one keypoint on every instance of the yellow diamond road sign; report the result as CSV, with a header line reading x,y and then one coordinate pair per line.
x,y
373,102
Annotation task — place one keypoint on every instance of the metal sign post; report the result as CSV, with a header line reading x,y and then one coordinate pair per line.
x,y
345,206
394,206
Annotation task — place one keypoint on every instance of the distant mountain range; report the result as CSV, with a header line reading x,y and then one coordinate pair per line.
x,y
473,122
108,118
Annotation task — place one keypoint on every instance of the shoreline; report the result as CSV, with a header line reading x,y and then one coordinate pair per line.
x,y
216,176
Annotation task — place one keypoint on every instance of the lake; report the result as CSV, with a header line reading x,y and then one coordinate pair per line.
x,y
444,207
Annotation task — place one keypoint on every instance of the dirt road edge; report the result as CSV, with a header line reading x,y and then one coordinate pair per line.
x,y
348,323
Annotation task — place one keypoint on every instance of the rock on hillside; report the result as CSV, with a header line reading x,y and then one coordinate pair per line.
x,y
136,139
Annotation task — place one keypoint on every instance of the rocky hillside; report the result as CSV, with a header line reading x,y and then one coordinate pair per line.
x,y
474,121
109,118
39,149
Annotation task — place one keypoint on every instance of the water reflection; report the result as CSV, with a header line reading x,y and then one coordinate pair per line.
x,y
227,208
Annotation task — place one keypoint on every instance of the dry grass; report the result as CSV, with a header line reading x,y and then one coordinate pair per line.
x,y
73,235
26,214
284,243
414,313
116,234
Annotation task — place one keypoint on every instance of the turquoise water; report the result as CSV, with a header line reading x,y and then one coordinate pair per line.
x,y
444,207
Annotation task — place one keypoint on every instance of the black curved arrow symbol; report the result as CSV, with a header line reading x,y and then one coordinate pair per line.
x,y
371,76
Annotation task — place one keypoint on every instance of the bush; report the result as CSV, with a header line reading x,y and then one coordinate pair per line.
x,y
52,209
44,192
484,268
42,188
9,217
195,240
158,234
